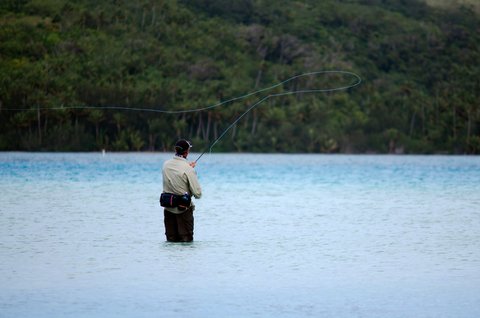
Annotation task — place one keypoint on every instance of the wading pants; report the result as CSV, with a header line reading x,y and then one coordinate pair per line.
x,y
179,227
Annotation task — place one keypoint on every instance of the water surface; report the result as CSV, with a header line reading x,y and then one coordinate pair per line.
x,y
81,235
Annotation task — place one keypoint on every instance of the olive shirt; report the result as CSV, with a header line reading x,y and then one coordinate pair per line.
x,y
180,178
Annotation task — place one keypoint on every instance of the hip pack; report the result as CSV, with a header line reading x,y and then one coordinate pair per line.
x,y
170,200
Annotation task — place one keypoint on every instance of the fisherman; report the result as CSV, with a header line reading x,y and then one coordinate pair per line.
x,y
180,182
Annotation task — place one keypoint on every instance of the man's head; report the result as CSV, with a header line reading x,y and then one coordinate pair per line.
x,y
182,147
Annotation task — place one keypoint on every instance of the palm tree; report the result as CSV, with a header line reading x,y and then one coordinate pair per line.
x,y
96,116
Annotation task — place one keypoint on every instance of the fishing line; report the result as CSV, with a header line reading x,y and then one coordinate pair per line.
x,y
214,105
357,78
323,90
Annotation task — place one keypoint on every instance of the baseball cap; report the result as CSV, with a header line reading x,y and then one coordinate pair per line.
x,y
182,145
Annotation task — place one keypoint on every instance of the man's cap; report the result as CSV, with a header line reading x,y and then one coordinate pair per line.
x,y
182,145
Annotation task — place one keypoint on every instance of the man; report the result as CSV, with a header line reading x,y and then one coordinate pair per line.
x,y
179,178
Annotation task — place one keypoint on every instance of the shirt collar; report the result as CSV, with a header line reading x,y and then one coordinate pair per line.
x,y
179,158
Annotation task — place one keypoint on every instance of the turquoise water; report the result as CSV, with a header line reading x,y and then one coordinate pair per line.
x,y
81,235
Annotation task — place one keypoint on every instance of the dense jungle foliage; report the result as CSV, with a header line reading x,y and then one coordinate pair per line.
x,y
419,66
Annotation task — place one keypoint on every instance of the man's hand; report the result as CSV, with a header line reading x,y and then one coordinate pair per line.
x,y
193,164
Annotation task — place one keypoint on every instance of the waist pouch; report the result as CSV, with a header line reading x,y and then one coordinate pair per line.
x,y
170,200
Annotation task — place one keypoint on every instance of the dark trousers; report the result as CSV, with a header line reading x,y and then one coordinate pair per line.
x,y
179,227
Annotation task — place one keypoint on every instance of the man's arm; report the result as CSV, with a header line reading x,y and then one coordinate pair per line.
x,y
194,185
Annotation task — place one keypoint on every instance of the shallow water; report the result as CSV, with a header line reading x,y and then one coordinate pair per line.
x,y
81,235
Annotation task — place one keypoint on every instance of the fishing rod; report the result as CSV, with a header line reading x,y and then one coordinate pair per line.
x,y
324,90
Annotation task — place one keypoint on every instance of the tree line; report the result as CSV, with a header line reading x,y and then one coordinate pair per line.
x,y
419,68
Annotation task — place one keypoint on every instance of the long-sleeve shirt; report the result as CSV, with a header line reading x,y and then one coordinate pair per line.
x,y
180,178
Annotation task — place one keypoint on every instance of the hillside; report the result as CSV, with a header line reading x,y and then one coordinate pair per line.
x,y
419,66
449,4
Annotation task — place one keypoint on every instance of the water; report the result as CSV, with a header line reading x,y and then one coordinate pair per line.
x,y
81,235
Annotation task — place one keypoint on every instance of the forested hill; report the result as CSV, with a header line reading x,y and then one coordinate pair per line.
x,y
420,67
